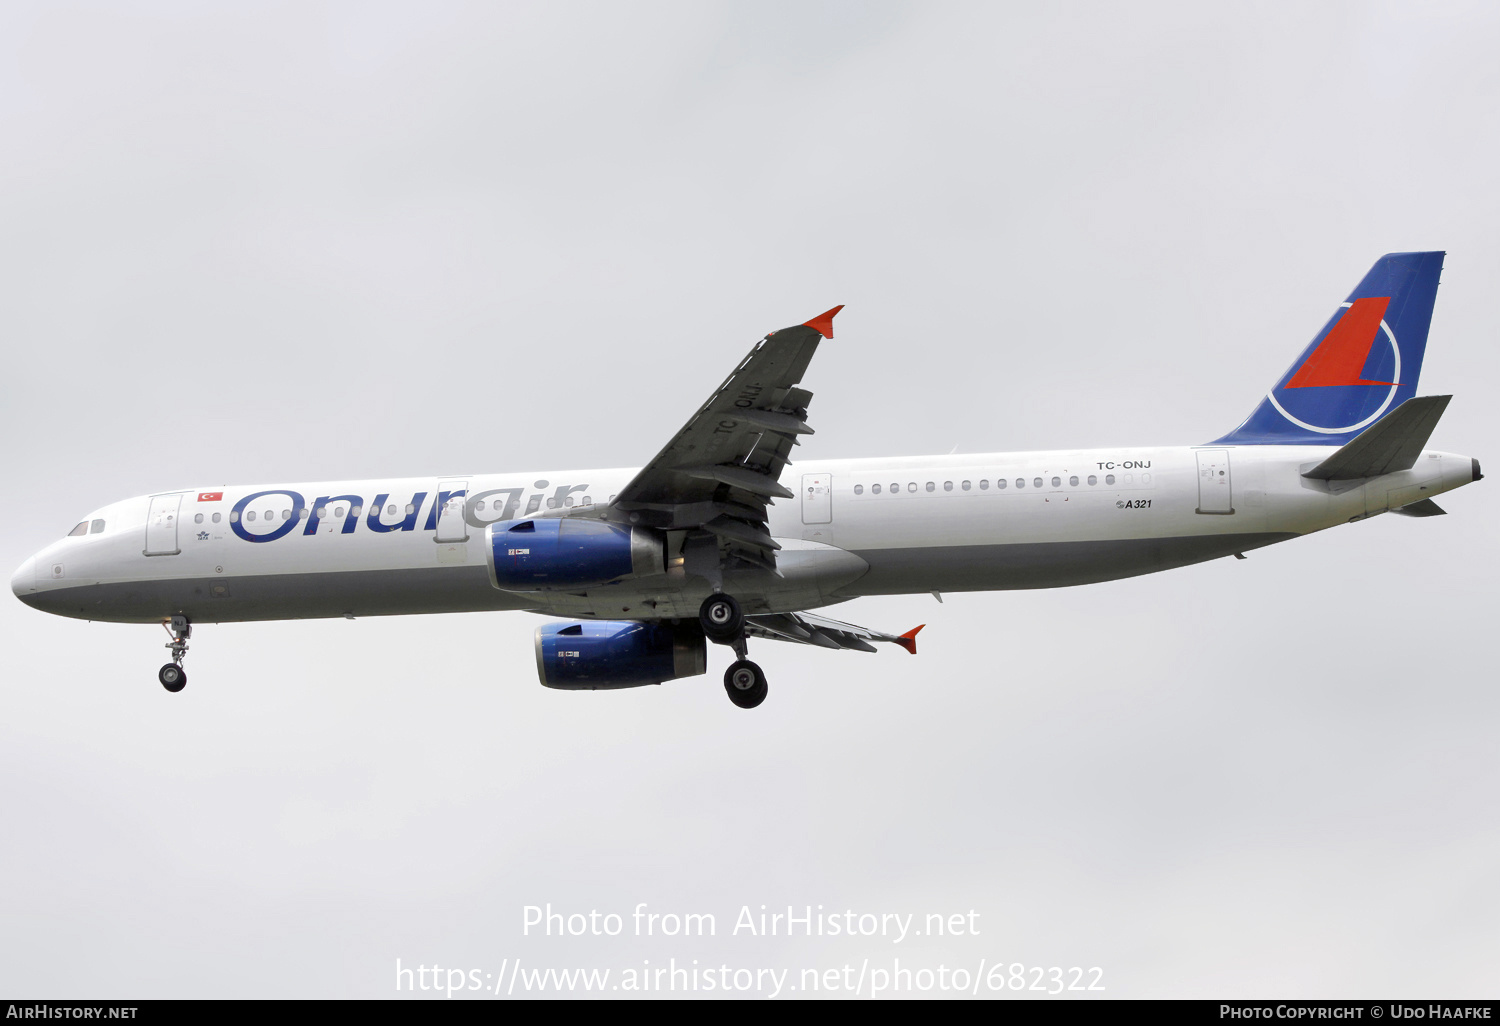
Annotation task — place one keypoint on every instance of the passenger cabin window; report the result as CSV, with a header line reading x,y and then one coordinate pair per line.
x,y
390,510
250,515
82,528
859,489
911,486
965,486
895,488
1109,479
875,489
1056,482
215,517
999,483
947,486
930,486
410,509
1073,481
197,518
1093,480
1036,482
984,484
1020,482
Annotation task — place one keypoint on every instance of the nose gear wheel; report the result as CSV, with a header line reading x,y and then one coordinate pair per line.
x,y
172,676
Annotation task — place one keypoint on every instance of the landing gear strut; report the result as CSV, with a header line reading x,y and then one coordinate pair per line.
x,y
723,621
172,676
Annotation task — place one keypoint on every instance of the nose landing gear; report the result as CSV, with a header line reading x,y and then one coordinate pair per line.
x,y
172,676
723,622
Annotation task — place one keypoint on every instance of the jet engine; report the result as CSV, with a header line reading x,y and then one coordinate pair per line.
x,y
527,555
597,655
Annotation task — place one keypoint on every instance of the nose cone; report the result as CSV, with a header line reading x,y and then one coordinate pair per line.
x,y
23,581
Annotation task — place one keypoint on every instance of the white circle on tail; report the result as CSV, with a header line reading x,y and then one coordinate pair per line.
x,y
1372,418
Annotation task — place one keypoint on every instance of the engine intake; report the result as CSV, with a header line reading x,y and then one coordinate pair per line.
x,y
567,552
598,655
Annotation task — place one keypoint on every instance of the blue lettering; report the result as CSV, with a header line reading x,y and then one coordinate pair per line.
x,y
323,508
350,519
236,516
409,523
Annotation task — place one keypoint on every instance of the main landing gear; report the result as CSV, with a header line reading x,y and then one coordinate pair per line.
x,y
745,684
721,618
172,676
723,622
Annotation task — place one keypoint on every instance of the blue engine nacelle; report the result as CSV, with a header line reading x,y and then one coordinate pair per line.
x,y
569,552
596,655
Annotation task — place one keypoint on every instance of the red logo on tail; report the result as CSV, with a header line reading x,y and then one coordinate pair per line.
x,y
1340,357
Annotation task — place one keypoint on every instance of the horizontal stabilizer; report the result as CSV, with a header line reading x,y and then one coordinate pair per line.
x,y
1391,444
1421,508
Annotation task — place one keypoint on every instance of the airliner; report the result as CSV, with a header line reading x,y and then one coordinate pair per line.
x,y
642,567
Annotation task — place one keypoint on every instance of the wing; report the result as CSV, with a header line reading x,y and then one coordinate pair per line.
x,y
808,629
717,475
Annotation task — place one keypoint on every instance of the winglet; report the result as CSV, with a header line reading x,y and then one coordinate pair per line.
x,y
908,640
823,323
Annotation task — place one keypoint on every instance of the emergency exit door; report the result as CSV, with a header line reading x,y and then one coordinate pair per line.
x,y
817,498
1215,488
452,530
450,518
161,525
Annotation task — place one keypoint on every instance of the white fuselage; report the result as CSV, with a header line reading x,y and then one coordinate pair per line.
x,y
857,527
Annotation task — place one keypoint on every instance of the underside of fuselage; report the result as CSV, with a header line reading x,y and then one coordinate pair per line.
x,y
462,589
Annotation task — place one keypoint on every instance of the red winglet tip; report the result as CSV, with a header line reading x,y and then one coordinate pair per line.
x,y
908,640
823,323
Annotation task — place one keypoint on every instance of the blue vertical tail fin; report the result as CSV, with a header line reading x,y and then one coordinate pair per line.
x,y
1361,366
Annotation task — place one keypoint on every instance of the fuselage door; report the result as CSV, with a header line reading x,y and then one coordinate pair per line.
x,y
451,527
161,525
1215,492
817,498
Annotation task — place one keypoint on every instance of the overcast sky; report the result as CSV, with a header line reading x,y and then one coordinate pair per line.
x,y
272,243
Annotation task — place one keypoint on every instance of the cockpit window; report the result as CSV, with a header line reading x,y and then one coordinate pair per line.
x,y
82,528
97,527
